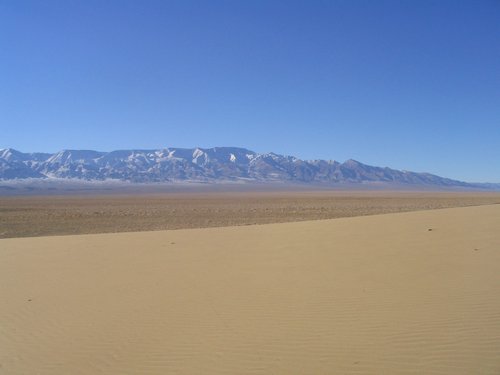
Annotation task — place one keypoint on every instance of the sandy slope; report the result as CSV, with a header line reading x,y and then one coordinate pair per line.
x,y
365,295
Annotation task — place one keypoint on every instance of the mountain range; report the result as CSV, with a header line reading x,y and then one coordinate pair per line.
x,y
206,165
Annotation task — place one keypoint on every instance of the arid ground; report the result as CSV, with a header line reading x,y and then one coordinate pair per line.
x,y
26,216
403,293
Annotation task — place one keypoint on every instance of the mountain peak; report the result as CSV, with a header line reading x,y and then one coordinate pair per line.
x,y
352,162
9,153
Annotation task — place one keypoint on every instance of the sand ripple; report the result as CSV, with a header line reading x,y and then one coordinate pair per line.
x,y
366,295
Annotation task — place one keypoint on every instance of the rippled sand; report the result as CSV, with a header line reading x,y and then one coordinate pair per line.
x,y
406,293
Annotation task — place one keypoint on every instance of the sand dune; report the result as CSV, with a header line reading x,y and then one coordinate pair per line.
x,y
407,293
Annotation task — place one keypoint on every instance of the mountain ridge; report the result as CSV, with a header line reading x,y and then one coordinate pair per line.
x,y
206,165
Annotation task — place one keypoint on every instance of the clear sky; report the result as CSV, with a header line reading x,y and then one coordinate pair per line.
x,y
407,84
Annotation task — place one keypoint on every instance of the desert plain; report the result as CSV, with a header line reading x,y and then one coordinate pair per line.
x,y
385,283
85,213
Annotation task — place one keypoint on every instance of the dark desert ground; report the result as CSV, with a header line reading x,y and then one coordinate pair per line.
x,y
106,212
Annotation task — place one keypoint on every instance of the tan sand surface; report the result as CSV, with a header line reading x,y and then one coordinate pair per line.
x,y
405,293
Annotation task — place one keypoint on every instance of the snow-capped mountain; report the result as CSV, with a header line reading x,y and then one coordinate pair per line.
x,y
202,164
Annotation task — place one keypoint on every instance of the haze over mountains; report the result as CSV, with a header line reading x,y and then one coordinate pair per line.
x,y
216,164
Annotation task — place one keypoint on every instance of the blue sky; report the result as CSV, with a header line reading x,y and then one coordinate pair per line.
x,y
407,84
